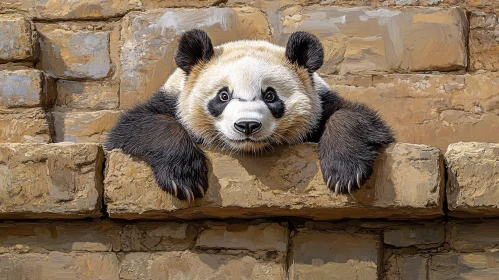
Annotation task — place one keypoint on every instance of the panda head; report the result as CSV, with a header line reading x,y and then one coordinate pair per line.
x,y
247,95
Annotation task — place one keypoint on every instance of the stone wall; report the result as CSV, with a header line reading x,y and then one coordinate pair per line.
x,y
69,210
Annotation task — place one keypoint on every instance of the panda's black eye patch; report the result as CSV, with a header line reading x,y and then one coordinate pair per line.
x,y
218,103
274,103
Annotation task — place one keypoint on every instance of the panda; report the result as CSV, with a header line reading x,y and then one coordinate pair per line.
x,y
247,96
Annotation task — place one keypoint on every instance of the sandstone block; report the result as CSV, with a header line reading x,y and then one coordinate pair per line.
x,y
261,237
155,4
463,266
484,42
472,237
16,41
406,267
50,180
473,179
288,182
87,95
81,127
25,126
429,235
56,265
363,40
74,54
57,9
149,40
319,255
25,88
188,265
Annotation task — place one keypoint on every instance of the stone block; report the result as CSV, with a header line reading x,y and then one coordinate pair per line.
x,y
189,265
149,40
463,266
473,236
25,126
26,88
287,182
406,267
57,265
60,180
366,40
81,127
473,179
429,235
16,39
320,255
87,95
484,42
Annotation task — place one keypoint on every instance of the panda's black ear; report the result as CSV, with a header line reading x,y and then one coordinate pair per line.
x,y
305,49
193,47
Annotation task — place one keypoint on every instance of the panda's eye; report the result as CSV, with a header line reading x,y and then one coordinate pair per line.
x,y
224,95
269,95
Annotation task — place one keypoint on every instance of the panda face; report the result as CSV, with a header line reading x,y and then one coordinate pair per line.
x,y
248,97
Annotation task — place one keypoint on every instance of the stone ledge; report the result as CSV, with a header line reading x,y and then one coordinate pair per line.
x,y
407,184
60,180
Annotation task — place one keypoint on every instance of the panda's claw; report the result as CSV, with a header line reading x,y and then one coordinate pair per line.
x,y
328,184
358,180
350,187
201,190
175,189
337,188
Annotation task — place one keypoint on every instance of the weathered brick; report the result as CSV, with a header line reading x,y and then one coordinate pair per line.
x,y
188,265
155,4
484,42
473,179
406,267
319,255
16,42
74,54
50,180
429,235
464,266
56,265
473,236
25,126
26,88
360,40
80,127
149,40
261,237
87,95
288,182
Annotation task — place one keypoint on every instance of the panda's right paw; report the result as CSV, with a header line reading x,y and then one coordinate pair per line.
x,y
186,180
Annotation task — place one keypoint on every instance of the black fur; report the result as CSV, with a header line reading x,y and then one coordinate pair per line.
x,y
193,47
306,50
276,107
151,132
217,106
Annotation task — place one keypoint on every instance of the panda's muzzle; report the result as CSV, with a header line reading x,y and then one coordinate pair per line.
x,y
248,127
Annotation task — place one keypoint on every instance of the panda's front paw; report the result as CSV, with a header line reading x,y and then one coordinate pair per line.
x,y
345,175
186,180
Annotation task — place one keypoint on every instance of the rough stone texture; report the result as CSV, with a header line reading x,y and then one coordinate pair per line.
x,y
149,40
56,265
74,54
288,183
26,88
81,127
406,267
87,95
473,179
437,109
188,265
155,4
360,40
429,235
484,42
262,237
334,255
16,42
50,180
464,266
25,126
57,9
472,237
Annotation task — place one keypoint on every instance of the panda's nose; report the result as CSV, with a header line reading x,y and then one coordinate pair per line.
x,y
247,127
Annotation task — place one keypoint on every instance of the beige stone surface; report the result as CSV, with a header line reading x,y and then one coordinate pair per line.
x,y
197,266
88,95
261,237
16,39
25,126
435,110
288,182
60,180
57,9
464,266
473,179
334,255
56,265
155,4
406,267
484,41
26,88
74,54
366,40
82,127
149,40
427,235
473,236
